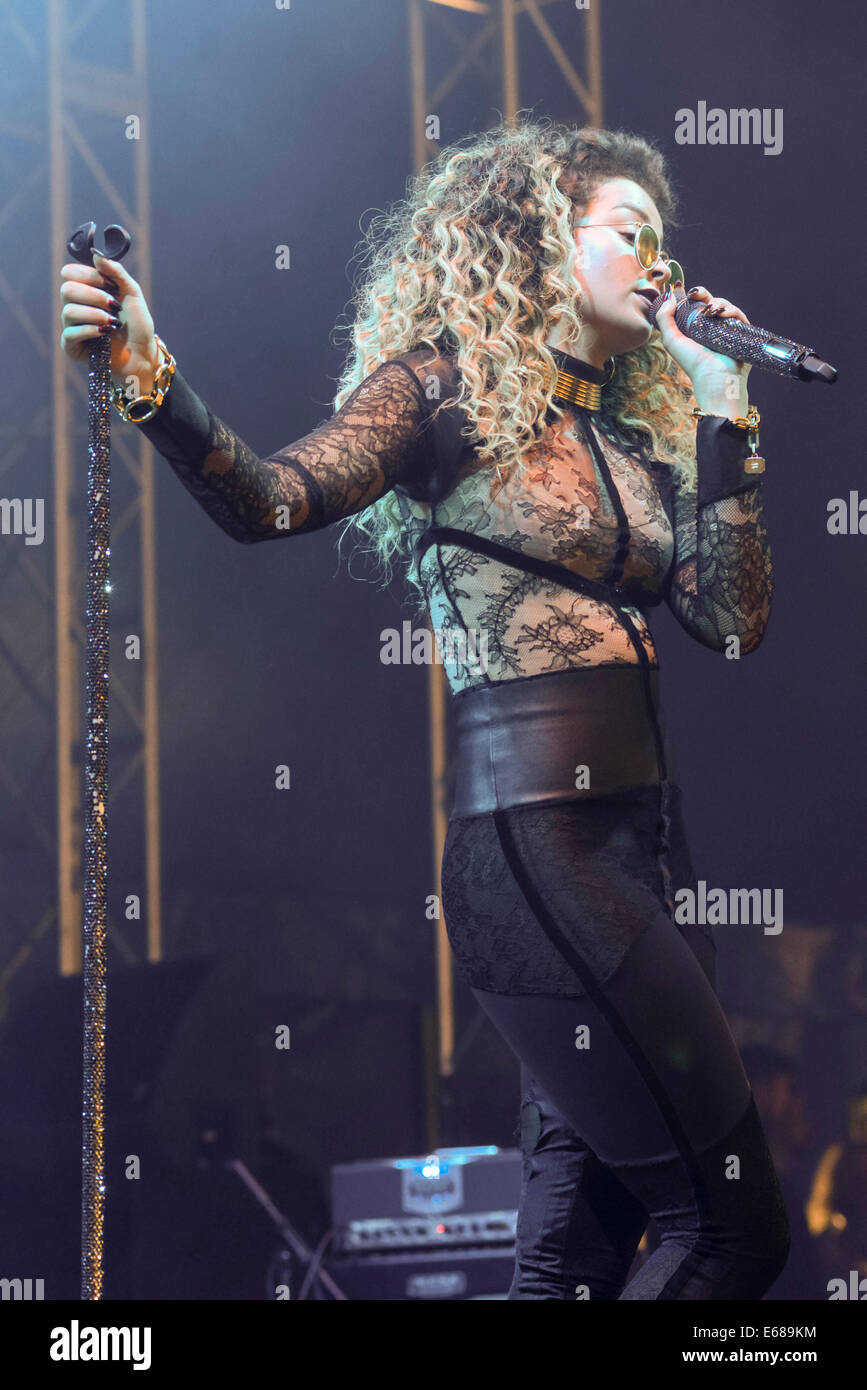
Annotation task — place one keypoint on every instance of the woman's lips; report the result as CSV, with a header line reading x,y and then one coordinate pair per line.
x,y
644,298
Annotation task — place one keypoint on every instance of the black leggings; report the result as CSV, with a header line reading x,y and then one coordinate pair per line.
x,y
635,1104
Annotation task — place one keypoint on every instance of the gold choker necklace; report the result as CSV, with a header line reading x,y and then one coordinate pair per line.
x,y
575,384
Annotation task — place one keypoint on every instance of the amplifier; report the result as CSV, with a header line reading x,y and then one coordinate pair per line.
x,y
439,1226
450,1197
462,1273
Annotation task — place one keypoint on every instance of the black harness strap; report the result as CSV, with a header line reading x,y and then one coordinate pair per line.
x,y
616,594
622,549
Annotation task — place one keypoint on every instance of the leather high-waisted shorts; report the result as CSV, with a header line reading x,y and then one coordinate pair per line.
x,y
561,736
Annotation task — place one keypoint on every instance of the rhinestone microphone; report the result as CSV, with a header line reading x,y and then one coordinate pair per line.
x,y
747,343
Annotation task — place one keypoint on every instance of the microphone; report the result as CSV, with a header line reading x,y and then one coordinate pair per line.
x,y
746,343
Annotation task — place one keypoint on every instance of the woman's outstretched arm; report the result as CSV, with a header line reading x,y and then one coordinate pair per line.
x,y
381,436
375,440
721,583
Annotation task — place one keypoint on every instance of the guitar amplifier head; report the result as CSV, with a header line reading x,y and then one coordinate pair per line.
x,y
447,1197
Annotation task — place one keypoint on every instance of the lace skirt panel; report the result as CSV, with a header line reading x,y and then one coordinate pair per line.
x,y
526,886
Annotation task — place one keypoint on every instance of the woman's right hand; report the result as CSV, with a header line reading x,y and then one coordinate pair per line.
x,y
88,305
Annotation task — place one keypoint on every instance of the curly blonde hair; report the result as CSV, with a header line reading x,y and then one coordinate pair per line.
x,y
478,263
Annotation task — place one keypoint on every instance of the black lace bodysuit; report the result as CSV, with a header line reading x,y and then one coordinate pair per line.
x,y
554,572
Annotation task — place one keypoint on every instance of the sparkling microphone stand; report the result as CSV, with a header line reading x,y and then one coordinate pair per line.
x,y
94,971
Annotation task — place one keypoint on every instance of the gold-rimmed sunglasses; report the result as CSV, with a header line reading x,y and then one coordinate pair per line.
x,y
646,246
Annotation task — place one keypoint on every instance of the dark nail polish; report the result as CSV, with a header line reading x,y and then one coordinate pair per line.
x,y
107,328
113,304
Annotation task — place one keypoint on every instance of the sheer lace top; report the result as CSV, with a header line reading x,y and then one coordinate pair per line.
x,y
590,501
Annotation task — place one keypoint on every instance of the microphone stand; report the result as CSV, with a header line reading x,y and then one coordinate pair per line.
x,y
293,1243
94,968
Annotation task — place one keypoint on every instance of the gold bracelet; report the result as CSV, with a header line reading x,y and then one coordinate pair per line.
x,y
752,463
152,403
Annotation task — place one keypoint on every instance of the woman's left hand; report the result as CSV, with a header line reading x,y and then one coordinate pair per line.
x,y
714,376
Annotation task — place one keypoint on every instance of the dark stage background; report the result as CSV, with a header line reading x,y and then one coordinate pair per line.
x,y
271,128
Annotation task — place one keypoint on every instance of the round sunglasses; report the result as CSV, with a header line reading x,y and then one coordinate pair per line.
x,y
646,246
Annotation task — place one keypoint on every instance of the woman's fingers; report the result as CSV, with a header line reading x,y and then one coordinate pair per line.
x,y
89,310
76,296
723,308
84,303
80,334
85,274
104,298
77,313
76,341
114,272
102,275
715,306
88,306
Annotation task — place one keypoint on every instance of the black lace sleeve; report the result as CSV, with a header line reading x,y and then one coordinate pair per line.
x,y
379,437
721,583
